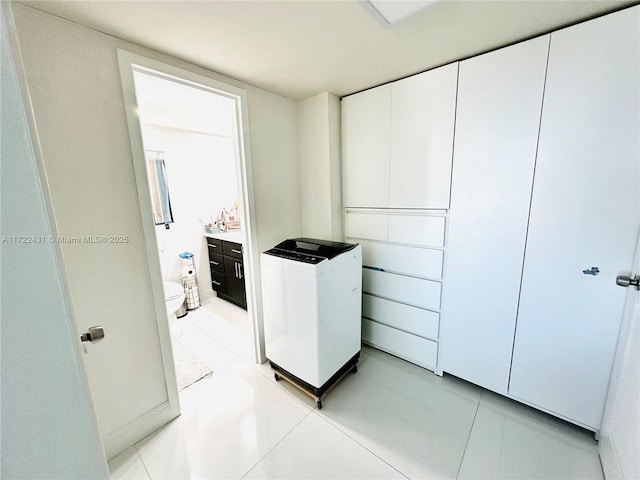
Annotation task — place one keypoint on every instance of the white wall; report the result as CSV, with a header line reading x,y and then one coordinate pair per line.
x,y
72,73
49,429
201,174
320,167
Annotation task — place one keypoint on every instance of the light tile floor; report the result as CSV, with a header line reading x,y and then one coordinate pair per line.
x,y
390,420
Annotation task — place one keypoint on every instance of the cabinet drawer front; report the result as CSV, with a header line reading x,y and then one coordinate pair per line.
x,y
232,249
218,282
417,230
214,242
411,290
214,248
216,263
370,226
415,349
423,323
422,262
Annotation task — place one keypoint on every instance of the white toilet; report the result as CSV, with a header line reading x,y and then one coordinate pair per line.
x,y
174,298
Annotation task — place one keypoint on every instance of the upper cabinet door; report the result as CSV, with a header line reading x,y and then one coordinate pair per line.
x,y
422,121
584,214
499,105
366,120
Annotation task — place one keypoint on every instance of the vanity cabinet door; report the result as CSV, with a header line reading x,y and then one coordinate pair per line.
x,y
235,291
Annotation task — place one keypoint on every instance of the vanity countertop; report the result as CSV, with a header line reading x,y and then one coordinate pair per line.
x,y
234,236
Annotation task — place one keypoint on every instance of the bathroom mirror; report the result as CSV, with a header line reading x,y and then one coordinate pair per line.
x,y
159,188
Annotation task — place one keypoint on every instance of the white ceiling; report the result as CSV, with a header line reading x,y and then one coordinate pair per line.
x,y
301,48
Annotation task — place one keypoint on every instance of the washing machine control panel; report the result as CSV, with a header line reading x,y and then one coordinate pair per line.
x,y
295,256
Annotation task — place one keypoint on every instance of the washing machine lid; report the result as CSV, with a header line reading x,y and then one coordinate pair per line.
x,y
309,250
172,290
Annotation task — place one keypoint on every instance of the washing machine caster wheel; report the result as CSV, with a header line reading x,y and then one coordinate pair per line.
x,y
319,404
276,376
354,369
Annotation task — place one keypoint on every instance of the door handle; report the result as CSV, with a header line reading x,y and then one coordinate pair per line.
x,y
626,281
217,284
240,269
236,251
214,263
94,334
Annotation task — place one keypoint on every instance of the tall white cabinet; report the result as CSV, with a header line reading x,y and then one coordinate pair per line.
x,y
397,153
544,215
498,114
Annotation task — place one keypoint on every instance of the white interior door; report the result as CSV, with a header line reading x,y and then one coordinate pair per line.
x,y
584,214
620,434
49,427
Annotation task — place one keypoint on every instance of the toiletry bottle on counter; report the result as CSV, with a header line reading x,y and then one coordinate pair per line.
x,y
222,222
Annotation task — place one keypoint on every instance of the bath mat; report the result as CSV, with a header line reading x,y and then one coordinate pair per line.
x,y
189,368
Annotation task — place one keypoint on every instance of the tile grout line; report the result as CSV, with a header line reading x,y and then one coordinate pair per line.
x,y
325,419
313,411
274,447
205,333
475,415
144,465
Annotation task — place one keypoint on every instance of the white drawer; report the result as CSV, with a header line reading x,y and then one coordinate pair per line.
x,y
416,230
423,230
398,315
372,226
415,349
422,262
411,290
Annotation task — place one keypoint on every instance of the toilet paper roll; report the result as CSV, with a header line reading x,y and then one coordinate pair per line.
x,y
188,271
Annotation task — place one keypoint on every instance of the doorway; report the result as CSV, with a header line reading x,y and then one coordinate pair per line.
x,y
192,166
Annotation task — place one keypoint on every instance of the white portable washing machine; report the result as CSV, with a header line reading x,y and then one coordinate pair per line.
x,y
312,307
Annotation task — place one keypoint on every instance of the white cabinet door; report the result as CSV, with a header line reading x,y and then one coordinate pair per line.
x,y
422,120
366,120
499,103
584,214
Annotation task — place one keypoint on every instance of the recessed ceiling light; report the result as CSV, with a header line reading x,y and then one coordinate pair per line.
x,y
393,11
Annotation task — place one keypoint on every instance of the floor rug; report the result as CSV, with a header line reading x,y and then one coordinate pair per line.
x,y
189,368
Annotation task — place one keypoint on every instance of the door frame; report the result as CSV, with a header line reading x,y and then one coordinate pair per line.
x,y
130,62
